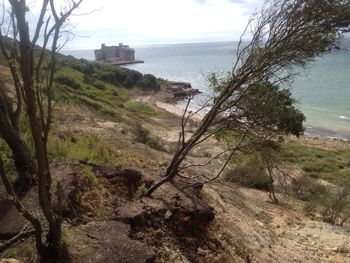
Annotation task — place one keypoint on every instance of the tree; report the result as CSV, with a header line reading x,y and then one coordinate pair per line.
x,y
33,71
285,35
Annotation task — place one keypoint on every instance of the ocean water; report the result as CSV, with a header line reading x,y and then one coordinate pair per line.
x,y
322,90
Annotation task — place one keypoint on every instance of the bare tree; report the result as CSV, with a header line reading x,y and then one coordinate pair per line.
x,y
33,70
284,35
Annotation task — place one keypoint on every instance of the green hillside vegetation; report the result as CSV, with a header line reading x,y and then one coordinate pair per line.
x,y
327,164
103,87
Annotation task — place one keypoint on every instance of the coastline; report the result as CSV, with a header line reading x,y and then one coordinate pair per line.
x,y
315,132
314,136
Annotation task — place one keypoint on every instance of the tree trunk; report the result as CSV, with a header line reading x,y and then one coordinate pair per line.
x,y
22,156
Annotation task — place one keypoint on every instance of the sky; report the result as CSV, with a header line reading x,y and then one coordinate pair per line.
x,y
147,22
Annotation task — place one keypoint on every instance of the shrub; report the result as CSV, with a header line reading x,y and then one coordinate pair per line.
x,y
128,82
251,174
128,78
84,66
69,81
142,135
335,206
88,79
306,188
150,82
99,86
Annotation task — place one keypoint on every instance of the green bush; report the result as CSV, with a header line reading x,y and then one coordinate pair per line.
x,y
142,135
69,81
84,66
99,86
88,79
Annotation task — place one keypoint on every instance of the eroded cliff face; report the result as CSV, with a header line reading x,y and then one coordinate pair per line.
x,y
107,221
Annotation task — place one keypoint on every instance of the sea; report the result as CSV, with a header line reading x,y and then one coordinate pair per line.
x,y
322,89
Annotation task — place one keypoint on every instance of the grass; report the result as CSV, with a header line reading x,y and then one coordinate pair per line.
x,y
108,100
315,162
9,253
330,165
88,148
87,171
143,109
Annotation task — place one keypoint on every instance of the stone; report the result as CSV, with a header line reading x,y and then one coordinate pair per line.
x,y
168,214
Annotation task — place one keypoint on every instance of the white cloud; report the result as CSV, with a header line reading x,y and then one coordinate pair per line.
x,y
159,21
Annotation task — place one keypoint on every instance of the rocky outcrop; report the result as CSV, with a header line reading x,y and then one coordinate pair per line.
x,y
177,91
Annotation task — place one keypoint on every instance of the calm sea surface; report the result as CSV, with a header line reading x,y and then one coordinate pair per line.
x,y
322,91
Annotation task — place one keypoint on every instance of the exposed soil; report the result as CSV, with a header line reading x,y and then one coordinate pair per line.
x,y
106,221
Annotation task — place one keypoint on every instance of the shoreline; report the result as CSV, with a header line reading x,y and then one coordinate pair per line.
x,y
166,100
311,132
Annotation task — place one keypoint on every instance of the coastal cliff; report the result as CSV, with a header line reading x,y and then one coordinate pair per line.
x,y
109,144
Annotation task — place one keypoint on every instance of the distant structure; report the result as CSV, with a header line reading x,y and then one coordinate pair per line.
x,y
117,55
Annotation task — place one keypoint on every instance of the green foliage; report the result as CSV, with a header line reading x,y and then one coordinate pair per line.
x,y
69,81
117,76
29,250
273,109
228,136
6,155
99,85
263,105
142,108
90,174
141,190
326,164
9,253
88,79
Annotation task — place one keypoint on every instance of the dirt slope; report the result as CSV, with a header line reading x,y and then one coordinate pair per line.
x,y
220,223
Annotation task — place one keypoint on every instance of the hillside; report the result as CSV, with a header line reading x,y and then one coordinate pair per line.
x,y
109,143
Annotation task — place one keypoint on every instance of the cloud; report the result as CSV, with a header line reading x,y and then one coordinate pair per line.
x,y
159,21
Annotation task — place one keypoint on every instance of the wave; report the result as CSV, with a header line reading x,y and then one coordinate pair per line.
x,y
344,117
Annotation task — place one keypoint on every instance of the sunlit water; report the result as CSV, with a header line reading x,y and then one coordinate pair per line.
x,y
322,91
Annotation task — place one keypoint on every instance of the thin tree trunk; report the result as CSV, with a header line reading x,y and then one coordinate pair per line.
x,y
186,147
22,156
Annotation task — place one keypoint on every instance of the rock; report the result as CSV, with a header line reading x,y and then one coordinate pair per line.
x,y
107,242
344,248
202,251
178,90
10,260
261,224
168,214
211,246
